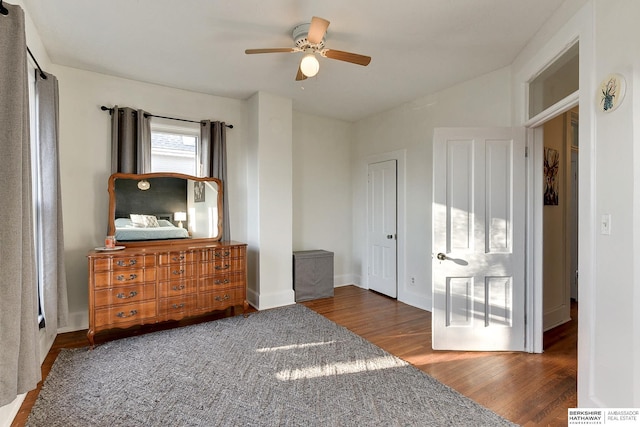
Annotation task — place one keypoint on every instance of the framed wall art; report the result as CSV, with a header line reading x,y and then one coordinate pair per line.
x,y
551,166
611,92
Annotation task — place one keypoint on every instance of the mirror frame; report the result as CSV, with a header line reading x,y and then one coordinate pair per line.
x,y
140,177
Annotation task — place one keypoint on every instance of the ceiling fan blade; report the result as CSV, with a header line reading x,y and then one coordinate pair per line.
x,y
300,76
317,29
272,50
354,58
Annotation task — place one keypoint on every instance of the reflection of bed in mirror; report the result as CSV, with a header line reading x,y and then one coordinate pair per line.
x,y
164,206
127,231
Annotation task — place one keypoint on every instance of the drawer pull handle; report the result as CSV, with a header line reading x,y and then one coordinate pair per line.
x,y
132,294
122,277
177,258
222,267
122,263
123,315
178,272
177,288
222,254
221,282
220,299
176,306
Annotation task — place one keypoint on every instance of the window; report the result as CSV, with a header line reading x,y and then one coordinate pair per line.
x,y
556,82
173,149
36,191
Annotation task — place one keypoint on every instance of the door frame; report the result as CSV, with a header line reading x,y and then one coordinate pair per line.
x,y
401,260
534,222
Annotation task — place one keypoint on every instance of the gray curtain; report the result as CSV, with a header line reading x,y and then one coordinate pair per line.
x,y
19,359
130,141
50,241
213,156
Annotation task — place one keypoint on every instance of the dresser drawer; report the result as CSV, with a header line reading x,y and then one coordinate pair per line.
x,y
109,279
177,257
126,313
176,308
222,253
124,294
222,266
119,262
176,272
220,300
176,288
222,282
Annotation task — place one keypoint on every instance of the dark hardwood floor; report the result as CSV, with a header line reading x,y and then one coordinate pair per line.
x,y
528,389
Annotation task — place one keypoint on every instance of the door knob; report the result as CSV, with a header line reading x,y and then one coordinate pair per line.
x,y
441,256
389,236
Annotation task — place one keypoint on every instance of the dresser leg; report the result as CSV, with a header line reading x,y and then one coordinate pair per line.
x,y
90,335
245,308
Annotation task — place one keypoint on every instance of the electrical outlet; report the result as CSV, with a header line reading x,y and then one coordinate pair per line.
x,y
413,280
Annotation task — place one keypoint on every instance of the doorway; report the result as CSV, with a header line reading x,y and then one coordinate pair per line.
x,y
560,218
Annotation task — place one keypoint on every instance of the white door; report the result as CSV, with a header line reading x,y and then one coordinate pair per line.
x,y
381,227
478,239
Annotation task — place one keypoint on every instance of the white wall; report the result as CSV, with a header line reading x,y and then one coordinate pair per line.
x,y
615,358
609,324
271,211
322,189
480,102
85,159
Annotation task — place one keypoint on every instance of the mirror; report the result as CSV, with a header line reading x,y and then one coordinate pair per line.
x,y
164,206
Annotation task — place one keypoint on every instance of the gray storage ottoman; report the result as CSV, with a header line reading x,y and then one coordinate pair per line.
x,y
312,274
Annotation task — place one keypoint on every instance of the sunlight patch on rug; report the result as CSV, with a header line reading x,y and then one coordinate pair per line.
x,y
293,346
340,368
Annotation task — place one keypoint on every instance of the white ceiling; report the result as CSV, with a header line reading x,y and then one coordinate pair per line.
x,y
418,46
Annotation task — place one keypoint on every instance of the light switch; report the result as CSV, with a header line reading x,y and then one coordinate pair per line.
x,y
605,224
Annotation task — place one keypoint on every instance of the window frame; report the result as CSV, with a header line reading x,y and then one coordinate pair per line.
x,y
184,129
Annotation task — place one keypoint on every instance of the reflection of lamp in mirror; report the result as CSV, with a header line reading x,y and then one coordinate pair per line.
x,y
180,216
144,185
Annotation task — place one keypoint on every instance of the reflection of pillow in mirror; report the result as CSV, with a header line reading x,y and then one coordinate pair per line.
x,y
123,222
144,220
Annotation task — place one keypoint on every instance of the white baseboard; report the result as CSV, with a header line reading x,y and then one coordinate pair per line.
x,y
9,412
556,323
253,298
344,280
77,321
273,300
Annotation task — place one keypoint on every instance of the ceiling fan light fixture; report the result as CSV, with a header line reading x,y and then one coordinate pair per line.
x,y
309,65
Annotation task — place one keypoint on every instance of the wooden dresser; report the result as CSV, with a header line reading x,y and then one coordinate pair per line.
x,y
154,283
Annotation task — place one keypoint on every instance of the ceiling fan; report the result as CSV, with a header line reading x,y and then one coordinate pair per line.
x,y
309,38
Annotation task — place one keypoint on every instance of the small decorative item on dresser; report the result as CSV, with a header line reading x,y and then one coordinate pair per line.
x,y
110,242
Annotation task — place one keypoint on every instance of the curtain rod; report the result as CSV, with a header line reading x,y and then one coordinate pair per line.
x,y
110,110
42,74
4,11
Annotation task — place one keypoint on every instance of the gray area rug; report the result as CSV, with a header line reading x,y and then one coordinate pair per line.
x,y
287,366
